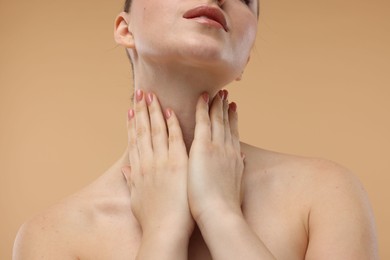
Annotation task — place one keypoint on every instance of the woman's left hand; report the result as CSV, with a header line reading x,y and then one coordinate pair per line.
x,y
216,163
158,175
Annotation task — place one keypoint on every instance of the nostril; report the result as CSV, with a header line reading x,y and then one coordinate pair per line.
x,y
220,2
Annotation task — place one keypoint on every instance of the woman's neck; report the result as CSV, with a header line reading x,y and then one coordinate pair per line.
x,y
179,90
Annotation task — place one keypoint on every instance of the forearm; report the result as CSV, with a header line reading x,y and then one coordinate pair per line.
x,y
163,245
228,236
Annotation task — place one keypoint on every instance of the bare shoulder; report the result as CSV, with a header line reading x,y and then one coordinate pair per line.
x,y
271,159
340,222
53,233
74,227
318,174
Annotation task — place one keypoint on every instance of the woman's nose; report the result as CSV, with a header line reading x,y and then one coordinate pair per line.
x,y
220,2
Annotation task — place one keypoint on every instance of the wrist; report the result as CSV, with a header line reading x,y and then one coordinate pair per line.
x,y
234,229
219,217
165,240
163,243
177,229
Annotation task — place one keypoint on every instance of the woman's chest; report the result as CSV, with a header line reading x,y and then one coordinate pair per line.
x,y
284,236
281,231
275,213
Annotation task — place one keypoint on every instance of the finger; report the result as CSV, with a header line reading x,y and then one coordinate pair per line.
x,y
176,144
158,126
226,121
216,118
142,124
132,140
203,124
233,122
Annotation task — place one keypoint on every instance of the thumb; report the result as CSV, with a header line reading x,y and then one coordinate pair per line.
x,y
126,172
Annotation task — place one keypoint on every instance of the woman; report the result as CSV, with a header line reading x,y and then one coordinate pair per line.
x,y
192,190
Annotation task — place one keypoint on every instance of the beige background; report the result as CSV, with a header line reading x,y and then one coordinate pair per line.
x,y
317,85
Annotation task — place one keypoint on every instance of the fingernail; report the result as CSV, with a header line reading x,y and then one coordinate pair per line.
x,y
226,94
221,94
206,97
124,174
168,113
233,107
130,113
149,98
139,95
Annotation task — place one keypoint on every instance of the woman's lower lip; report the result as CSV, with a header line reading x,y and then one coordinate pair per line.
x,y
209,22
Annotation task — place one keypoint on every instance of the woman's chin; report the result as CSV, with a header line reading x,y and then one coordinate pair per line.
x,y
204,48
208,56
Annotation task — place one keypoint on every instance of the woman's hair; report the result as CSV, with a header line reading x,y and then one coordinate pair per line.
x,y
127,6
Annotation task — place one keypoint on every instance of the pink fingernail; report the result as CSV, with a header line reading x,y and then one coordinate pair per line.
x,y
233,107
206,97
226,94
149,98
130,113
221,94
139,95
168,113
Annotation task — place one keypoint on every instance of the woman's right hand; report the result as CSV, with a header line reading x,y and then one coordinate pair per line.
x,y
157,177
216,164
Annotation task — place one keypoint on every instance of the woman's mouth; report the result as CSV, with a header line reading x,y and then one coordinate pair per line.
x,y
208,15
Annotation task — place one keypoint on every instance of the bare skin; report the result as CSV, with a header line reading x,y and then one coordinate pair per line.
x,y
299,208
292,207
285,198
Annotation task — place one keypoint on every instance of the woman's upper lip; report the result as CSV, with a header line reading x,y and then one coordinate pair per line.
x,y
210,12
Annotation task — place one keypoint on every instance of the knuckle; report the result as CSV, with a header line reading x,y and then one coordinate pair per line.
x,y
152,109
234,133
203,119
146,168
171,125
132,142
161,163
219,119
173,167
140,131
173,138
139,107
176,166
174,135
156,131
231,152
226,121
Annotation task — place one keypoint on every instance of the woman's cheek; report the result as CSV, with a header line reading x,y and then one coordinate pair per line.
x,y
246,36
